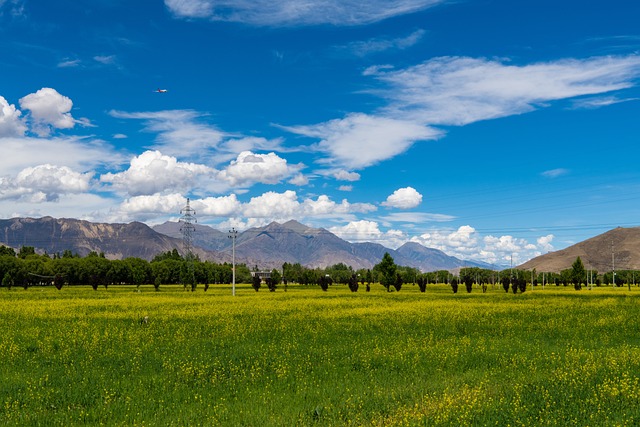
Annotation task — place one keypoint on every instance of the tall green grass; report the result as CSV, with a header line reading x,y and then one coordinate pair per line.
x,y
307,357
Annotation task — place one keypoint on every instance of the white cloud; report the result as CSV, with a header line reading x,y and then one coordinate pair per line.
x,y
105,59
375,45
10,122
14,7
358,231
76,153
180,133
299,180
153,172
600,101
251,143
49,109
554,173
343,175
461,243
323,205
297,12
153,204
465,243
462,90
544,243
369,231
273,205
84,206
360,140
185,134
224,206
345,188
69,63
417,217
404,198
264,168
458,91
190,8
44,183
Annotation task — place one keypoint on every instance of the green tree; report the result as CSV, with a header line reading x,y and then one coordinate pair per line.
x,y
25,251
140,271
7,280
256,282
387,269
6,250
578,273
276,276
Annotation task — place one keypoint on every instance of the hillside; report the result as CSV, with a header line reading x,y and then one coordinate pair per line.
x,y
116,241
595,253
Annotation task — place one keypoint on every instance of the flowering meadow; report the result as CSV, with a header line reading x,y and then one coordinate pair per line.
x,y
305,357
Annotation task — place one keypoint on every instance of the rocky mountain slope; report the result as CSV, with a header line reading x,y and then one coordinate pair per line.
x,y
621,245
116,241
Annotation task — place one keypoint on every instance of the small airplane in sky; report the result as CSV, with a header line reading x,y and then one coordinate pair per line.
x,y
161,90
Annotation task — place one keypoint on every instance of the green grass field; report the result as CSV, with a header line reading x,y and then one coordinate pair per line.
x,y
306,357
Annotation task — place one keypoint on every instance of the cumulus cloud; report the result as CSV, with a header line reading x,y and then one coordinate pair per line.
x,y
284,206
153,204
299,180
264,168
273,205
404,198
463,90
544,243
48,110
153,172
343,175
44,183
369,231
323,205
10,122
297,12
361,140
224,206
465,243
358,231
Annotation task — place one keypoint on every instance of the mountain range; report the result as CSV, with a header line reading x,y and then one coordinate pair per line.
x,y
294,242
265,247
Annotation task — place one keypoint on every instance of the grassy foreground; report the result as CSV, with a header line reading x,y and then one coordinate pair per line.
x,y
307,357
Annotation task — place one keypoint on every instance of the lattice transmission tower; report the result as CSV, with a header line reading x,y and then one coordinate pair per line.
x,y
187,228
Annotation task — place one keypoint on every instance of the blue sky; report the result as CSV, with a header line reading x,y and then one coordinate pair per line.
x,y
487,129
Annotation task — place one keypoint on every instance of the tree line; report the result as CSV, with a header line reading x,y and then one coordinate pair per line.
x,y
27,268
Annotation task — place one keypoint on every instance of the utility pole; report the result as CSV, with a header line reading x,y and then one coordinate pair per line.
x,y
187,228
613,264
233,235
